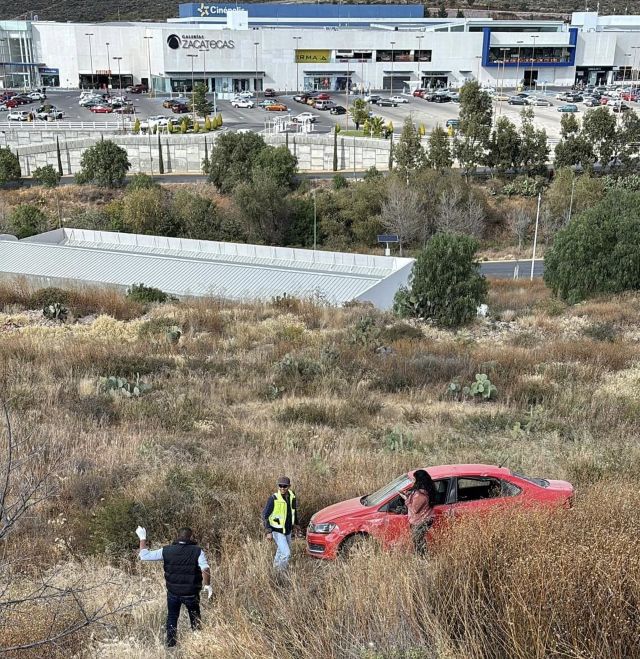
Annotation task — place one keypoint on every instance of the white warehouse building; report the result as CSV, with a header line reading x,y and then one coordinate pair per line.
x,y
289,47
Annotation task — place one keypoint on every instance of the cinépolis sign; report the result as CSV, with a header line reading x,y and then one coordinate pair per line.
x,y
197,42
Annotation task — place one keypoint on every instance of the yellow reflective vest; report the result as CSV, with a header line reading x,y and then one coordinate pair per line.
x,y
278,517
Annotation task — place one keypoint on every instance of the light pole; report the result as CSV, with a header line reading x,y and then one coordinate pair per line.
x,y
204,69
193,93
108,69
419,38
119,59
393,43
90,34
504,69
149,84
533,56
479,58
346,114
633,66
518,65
4,67
255,82
624,70
297,40
315,225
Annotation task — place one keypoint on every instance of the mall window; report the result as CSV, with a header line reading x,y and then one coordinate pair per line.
x,y
538,55
354,55
421,55
394,55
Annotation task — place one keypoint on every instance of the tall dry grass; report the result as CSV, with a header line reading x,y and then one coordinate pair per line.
x,y
251,391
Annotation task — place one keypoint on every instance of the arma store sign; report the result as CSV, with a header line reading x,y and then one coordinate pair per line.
x,y
197,42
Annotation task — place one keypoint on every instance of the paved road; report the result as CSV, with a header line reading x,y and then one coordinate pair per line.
x,y
508,269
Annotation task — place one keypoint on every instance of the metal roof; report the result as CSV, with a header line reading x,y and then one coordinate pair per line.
x,y
203,268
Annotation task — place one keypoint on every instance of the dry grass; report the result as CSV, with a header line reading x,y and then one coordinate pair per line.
x,y
254,390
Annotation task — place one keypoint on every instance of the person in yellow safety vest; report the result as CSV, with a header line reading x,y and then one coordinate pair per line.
x,y
279,518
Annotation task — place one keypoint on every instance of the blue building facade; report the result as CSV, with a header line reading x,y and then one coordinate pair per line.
x,y
303,11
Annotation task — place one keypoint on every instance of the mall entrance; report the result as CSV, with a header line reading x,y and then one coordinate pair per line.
x,y
329,82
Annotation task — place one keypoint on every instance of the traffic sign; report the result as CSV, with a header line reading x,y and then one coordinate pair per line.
x,y
389,238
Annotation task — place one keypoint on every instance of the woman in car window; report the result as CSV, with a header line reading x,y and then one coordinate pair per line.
x,y
420,499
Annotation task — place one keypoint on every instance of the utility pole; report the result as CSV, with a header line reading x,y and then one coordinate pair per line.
x,y
108,69
204,69
393,43
119,59
315,225
90,34
419,38
535,236
518,65
533,56
149,85
255,82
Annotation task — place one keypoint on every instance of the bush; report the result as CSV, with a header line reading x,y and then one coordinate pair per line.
x,y
45,297
148,294
598,251
105,164
111,524
141,181
47,176
446,285
9,167
27,220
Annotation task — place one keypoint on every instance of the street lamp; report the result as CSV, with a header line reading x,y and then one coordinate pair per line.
x,y
90,34
504,69
393,43
255,82
149,85
4,66
108,68
297,40
119,59
533,56
624,69
193,92
479,58
518,65
204,68
633,66
419,38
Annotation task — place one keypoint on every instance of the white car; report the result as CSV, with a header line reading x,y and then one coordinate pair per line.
x,y
399,99
244,95
18,115
242,103
534,100
3,107
37,96
158,120
303,117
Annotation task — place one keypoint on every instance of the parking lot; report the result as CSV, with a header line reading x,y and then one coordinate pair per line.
x,y
423,112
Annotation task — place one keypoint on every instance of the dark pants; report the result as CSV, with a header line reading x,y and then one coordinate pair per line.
x,y
419,536
174,602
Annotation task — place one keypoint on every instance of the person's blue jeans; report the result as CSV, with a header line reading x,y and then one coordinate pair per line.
x,y
283,551
174,603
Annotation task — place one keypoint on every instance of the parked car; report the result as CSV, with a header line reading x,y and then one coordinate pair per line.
x,y
304,116
629,96
137,89
619,106
569,107
453,123
338,109
462,490
37,96
386,103
591,102
160,121
276,107
170,102
101,109
604,100
266,103
455,97
419,93
501,97
127,108
10,103
245,94
49,115
517,100
323,96
3,107
269,93
18,115
539,101
372,98
242,103
23,100
441,98
399,99
301,98
179,108
324,105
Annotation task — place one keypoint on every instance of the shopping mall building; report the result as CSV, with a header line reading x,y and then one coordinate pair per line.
x,y
290,47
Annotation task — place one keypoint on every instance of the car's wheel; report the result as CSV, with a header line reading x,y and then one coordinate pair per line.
x,y
356,545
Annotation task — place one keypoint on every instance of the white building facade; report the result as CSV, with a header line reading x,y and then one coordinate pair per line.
x,y
232,53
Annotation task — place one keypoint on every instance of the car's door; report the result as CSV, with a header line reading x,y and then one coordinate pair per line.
x,y
477,493
393,523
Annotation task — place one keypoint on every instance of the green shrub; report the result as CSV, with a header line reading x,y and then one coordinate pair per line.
x,y
140,181
400,331
148,294
27,220
47,176
601,332
292,369
481,389
398,440
45,297
9,166
111,526
124,387
352,412
365,332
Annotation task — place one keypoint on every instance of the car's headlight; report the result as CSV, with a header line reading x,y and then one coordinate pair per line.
x,y
327,527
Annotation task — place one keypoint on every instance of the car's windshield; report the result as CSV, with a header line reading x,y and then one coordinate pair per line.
x,y
383,493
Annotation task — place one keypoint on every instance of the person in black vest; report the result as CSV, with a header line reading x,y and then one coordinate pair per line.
x,y
185,571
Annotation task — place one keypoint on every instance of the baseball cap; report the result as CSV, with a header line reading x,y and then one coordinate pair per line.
x,y
284,480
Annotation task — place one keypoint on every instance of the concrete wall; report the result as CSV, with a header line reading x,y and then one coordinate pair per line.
x,y
185,153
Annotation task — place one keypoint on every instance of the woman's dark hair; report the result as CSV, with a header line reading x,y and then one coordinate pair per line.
x,y
422,481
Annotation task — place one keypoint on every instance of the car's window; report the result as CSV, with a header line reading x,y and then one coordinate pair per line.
x,y
396,485
397,504
542,482
474,489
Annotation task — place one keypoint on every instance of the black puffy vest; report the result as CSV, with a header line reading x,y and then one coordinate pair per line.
x,y
181,570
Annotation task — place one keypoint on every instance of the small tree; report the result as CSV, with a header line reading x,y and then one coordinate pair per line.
x,y
59,155
475,126
199,102
160,158
47,176
408,154
9,166
335,148
136,126
446,285
183,126
359,112
439,149
207,124
27,220
504,146
105,164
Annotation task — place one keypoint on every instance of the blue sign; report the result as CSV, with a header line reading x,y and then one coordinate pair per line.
x,y
52,72
389,238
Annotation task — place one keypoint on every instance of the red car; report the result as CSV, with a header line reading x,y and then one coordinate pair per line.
x,y
269,93
419,93
101,109
323,97
629,96
462,489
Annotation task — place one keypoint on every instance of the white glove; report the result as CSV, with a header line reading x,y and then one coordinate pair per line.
x,y
209,590
141,532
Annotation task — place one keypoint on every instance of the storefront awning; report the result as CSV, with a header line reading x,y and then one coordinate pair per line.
x,y
336,72
216,74
436,73
396,72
